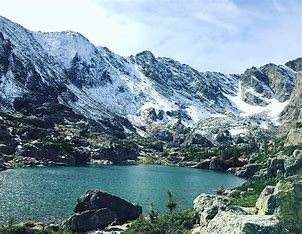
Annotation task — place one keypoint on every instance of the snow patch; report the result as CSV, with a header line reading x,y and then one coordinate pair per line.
x,y
238,131
273,109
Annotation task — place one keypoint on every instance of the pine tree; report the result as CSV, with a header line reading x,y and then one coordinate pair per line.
x,y
171,204
153,213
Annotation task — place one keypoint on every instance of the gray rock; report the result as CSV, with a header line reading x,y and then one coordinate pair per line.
x,y
294,163
267,203
218,217
200,140
297,154
215,164
223,137
276,167
237,222
90,220
207,206
248,170
95,199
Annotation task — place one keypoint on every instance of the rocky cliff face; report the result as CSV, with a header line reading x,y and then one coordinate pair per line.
x,y
61,76
292,114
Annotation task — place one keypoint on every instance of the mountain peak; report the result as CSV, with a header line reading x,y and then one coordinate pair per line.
x,y
295,64
146,54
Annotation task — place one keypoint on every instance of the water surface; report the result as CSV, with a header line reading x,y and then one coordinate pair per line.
x,y
49,194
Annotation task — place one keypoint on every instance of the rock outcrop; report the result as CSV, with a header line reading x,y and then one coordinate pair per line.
x,y
248,170
96,210
276,166
207,206
278,210
237,221
267,203
217,216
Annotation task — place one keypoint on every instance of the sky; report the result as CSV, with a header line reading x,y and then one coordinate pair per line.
x,y
209,35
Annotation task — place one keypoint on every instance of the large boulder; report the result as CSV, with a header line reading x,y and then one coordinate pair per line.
x,y
90,220
208,205
267,203
95,199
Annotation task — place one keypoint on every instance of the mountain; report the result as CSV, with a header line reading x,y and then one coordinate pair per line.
x,y
291,116
64,79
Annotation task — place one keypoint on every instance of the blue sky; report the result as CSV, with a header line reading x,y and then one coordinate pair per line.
x,y
218,35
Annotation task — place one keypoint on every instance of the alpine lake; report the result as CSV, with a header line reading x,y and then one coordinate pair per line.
x,y
49,194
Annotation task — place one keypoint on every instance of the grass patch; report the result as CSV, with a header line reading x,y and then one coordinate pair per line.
x,y
249,198
246,201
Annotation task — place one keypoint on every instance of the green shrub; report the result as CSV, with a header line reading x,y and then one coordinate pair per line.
x,y
171,204
14,229
18,229
179,222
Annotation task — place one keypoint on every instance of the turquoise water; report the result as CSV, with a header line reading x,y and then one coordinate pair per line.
x,y
49,194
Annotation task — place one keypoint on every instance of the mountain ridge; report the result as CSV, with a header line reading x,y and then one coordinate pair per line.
x,y
137,93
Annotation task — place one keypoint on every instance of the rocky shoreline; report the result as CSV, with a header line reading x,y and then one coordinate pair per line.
x,y
278,165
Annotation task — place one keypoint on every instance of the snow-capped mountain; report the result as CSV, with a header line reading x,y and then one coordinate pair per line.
x,y
63,73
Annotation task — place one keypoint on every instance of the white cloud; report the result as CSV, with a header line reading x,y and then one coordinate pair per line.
x,y
223,35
